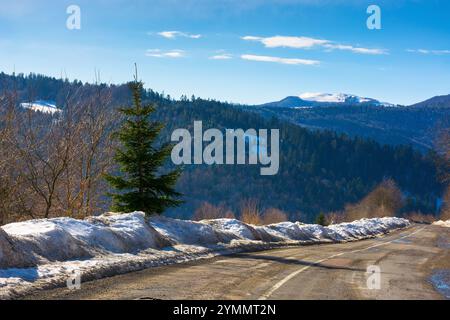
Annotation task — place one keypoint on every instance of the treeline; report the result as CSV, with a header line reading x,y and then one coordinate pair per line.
x,y
53,166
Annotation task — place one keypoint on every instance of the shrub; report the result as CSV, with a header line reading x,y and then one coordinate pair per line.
x,y
273,215
419,217
208,211
250,212
384,201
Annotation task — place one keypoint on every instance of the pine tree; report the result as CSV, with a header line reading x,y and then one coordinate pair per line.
x,y
141,186
321,220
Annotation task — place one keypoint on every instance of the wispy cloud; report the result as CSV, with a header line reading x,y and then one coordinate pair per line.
x,y
176,34
221,56
355,49
158,53
291,61
308,43
427,51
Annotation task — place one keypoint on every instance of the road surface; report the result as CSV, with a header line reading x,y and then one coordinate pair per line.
x,y
406,260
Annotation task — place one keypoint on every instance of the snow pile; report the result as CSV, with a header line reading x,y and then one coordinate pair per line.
x,y
356,230
364,228
61,239
442,223
43,253
190,232
233,227
10,255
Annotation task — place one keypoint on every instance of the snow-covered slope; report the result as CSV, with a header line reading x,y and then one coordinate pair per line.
x,y
315,99
335,98
44,253
41,106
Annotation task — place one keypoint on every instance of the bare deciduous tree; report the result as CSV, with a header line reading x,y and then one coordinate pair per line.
x,y
53,164
384,201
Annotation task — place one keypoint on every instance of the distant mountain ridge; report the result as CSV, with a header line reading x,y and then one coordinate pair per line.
x,y
435,102
308,100
416,125
325,100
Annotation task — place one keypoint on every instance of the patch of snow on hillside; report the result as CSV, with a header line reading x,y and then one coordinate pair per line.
x,y
323,97
340,98
41,106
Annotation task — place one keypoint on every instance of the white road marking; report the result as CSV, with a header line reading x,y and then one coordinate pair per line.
x,y
225,261
262,265
280,283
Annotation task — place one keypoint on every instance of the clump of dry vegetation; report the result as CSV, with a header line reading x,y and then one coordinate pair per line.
x,y
208,211
273,215
334,217
384,201
419,217
252,214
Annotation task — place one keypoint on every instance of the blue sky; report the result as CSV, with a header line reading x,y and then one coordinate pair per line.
x,y
245,51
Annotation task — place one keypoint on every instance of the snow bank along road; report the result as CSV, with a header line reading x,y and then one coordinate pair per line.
x,y
406,259
44,254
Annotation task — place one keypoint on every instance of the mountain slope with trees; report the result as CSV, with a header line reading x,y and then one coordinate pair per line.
x,y
320,171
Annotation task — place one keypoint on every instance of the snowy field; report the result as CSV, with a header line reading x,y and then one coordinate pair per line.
x,y
43,254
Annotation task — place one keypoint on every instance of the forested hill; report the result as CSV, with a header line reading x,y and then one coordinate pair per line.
x,y
319,171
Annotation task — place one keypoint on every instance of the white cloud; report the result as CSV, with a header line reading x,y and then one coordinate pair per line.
x,y
279,60
175,34
355,49
307,43
290,42
157,53
427,51
222,56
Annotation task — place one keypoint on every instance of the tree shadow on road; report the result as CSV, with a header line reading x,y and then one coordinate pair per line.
x,y
295,262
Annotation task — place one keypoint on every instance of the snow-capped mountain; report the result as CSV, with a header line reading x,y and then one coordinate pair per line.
x,y
41,106
312,99
334,98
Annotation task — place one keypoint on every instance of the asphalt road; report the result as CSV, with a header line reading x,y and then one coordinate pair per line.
x,y
406,259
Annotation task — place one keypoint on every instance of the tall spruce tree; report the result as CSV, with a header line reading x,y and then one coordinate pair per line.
x,y
140,185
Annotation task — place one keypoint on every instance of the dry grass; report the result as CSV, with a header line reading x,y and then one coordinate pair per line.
x,y
250,212
419,217
208,211
384,201
335,217
273,215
